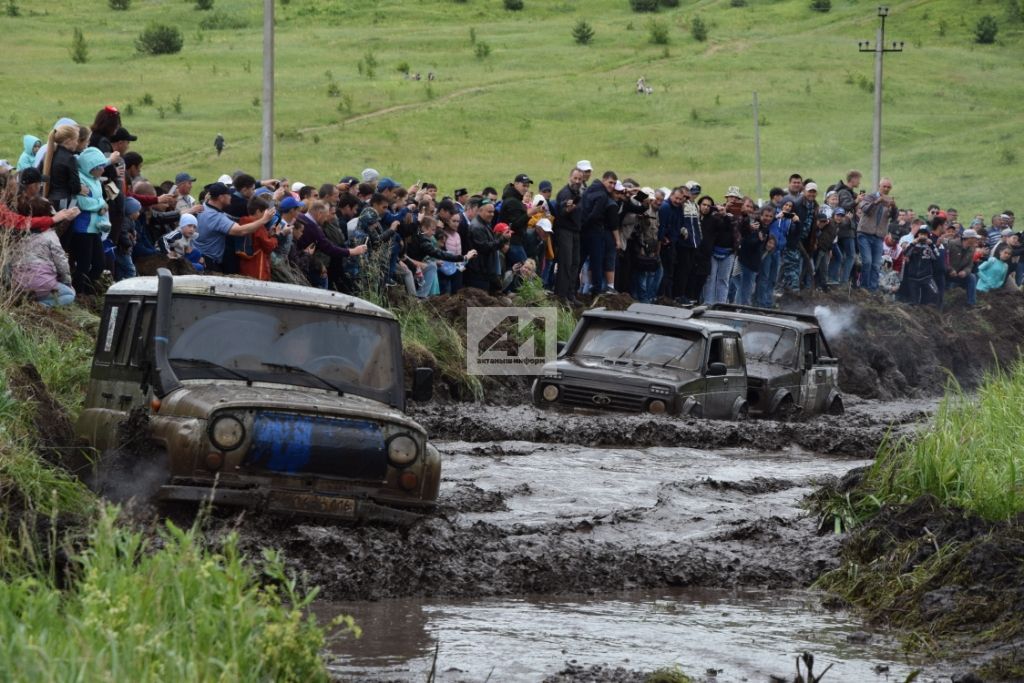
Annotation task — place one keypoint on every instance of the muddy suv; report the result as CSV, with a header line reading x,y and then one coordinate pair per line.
x,y
791,371
648,358
259,394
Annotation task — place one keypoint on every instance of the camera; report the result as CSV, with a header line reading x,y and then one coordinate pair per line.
x,y
641,196
788,214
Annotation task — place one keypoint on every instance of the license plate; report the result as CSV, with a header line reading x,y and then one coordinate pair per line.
x,y
335,506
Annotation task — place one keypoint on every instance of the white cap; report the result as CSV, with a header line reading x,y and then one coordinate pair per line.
x,y
538,199
649,191
584,165
811,186
296,186
5,165
187,219
226,179
619,187
665,191
544,224
369,175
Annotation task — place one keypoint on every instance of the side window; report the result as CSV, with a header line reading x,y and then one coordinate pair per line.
x,y
715,353
105,344
125,333
142,344
811,345
731,353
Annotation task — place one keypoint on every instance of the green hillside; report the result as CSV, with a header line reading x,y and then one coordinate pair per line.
x,y
538,101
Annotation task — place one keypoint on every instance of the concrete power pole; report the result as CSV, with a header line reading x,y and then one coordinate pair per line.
x,y
757,146
267,152
879,49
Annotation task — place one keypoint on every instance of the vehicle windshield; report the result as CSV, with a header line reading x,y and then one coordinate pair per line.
x,y
286,344
766,343
655,346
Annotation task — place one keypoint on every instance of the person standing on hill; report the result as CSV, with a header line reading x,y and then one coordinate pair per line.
x,y
877,210
515,213
567,236
218,143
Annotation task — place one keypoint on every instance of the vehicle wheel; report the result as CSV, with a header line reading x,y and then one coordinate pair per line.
x,y
786,410
743,412
697,410
836,407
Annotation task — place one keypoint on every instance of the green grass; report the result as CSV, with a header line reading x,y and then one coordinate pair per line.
x,y
176,612
538,101
971,458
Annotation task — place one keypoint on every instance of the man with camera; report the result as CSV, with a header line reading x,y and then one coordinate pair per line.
x,y
567,236
215,226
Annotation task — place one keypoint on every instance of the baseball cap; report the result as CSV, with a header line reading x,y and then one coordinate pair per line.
x,y
132,205
296,186
182,177
649,191
32,175
840,211
544,185
619,187
122,135
523,178
584,165
823,214
262,190
968,234
693,186
349,180
734,191
502,229
289,203
226,179
459,192
811,187
1006,232
369,175
386,184
544,224
187,219
214,189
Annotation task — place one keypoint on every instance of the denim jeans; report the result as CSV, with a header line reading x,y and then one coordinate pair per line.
x,y
766,279
716,289
429,283
835,264
645,285
745,292
848,246
62,295
970,283
870,259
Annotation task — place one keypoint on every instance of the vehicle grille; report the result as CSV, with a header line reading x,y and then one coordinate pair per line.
x,y
309,445
589,397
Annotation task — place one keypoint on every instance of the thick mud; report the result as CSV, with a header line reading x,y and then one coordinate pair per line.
x,y
516,518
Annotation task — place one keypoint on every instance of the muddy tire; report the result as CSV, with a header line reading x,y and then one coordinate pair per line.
x,y
742,413
786,410
836,407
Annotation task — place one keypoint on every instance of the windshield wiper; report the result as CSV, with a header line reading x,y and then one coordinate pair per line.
x,y
327,383
211,364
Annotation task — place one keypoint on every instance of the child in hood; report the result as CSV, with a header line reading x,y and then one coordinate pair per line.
x,y
31,145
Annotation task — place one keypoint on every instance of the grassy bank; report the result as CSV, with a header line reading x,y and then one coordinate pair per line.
x,y
85,597
514,92
938,531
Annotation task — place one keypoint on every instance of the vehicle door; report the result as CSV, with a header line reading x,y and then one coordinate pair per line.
x,y
721,390
813,393
826,374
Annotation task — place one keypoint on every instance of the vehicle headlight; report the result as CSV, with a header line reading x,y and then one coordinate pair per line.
x,y
402,450
550,392
227,432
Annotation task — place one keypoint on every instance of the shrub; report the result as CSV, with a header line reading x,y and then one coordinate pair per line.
x,y
482,50
582,32
513,5
1014,13
658,33
985,30
204,5
821,5
644,5
699,30
12,9
737,3
219,20
403,68
79,50
119,4
159,39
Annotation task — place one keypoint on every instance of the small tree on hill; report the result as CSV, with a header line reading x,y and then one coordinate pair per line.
x,y
698,29
644,5
12,9
159,39
986,29
204,5
658,33
582,32
513,5
120,5
821,5
79,50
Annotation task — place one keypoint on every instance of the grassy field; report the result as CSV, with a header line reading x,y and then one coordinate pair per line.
x,y
538,102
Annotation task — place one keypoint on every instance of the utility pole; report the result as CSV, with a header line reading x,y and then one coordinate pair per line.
x,y
267,155
879,49
757,146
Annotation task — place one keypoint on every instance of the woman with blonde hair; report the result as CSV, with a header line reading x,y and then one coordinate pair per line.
x,y
60,168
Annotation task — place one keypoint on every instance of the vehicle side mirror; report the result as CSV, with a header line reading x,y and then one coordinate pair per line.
x,y
560,346
716,369
422,384
809,359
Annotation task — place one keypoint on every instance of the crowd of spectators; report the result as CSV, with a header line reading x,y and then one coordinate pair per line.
x,y
80,206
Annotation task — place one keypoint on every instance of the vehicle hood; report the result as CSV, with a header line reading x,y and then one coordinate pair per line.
x,y
626,371
199,399
767,371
